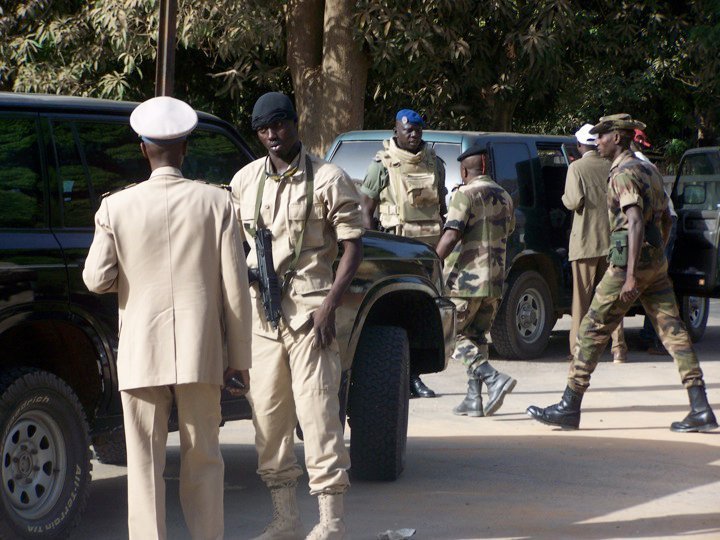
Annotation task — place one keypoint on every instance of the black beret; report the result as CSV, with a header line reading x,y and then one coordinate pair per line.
x,y
474,150
271,107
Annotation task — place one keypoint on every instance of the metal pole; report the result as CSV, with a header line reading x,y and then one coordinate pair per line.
x,y
165,65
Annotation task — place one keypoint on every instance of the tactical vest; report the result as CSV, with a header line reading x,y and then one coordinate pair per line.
x,y
409,205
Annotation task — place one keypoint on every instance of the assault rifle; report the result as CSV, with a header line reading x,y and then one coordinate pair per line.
x,y
266,277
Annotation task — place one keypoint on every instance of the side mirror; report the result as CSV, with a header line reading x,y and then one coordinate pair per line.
x,y
694,194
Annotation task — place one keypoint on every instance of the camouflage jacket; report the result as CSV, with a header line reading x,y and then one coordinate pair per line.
x,y
635,182
483,212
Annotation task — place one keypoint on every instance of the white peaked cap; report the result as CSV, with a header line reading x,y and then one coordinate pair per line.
x,y
163,118
584,136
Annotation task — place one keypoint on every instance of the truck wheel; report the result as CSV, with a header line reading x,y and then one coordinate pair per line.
x,y
525,318
694,312
45,451
378,404
110,447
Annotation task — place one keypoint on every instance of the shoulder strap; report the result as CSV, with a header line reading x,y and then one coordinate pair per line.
x,y
309,190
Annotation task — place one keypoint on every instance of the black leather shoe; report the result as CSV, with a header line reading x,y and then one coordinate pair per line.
x,y
418,388
472,404
565,414
700,417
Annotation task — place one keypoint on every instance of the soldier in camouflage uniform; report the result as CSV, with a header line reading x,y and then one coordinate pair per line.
x,y
406,184
640,226
479,221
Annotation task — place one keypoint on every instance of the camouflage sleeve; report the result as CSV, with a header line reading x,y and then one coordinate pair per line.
x,y
442,190
459,212
626,190
376,178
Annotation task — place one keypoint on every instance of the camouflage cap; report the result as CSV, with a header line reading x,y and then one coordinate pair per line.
x,y
616,121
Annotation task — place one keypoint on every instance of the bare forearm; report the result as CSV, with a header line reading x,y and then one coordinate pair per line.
x,y
447,243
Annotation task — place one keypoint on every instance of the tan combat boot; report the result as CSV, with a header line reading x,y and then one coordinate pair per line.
x,y
285,524
331,526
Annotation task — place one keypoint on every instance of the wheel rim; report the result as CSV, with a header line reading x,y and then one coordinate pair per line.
x,y
530,315
696,310
33,460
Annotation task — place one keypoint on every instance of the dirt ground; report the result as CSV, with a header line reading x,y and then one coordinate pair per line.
x,y
622,475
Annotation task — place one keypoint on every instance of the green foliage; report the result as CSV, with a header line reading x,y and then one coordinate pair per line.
x,y
545,66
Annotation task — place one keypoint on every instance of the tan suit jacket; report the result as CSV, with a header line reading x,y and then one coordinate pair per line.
x,y
586,195
172,250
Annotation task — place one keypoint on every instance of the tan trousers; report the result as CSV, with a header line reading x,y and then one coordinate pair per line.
x,y
146,412
291,382
587,273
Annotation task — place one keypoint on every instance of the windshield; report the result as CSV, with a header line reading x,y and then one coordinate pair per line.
x,y
698,185
354,157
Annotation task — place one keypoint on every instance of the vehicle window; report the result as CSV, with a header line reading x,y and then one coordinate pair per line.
x,y
354,157
76,206
22,198
213,157
512,169
112,152
551,156
698,185
449,152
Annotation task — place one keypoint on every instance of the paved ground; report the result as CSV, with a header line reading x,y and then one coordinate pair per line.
x,y
623,475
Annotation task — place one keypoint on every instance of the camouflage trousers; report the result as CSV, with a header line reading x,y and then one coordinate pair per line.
x,y
474,317
607,311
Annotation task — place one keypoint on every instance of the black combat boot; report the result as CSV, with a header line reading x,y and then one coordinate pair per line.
x,y
498,385
418,388
472,404
565,414
701,417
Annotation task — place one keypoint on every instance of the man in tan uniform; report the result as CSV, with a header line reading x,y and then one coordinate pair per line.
x,y
308,206
172,250
586,196
406,184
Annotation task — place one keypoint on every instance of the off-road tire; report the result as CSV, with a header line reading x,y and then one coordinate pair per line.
x,y
378,404
694,312
110,447
525,318
45,456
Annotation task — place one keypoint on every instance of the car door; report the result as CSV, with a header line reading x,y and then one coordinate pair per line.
x,y
32,270
696,195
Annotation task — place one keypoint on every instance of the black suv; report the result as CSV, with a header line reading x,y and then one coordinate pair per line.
x,y
58,342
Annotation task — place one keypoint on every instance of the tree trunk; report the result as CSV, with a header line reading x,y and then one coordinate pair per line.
x,y
328,69
502,111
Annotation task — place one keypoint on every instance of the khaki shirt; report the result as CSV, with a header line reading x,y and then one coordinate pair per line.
x,y
172,250
334,216
483,213
586,196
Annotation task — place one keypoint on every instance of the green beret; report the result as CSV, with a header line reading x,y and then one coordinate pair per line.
x,y
616,121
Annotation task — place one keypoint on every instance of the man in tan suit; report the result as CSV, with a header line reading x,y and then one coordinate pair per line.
x,y
308,206
586,196
172,250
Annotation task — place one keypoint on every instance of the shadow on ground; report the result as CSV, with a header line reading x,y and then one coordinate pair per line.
x,y
541,488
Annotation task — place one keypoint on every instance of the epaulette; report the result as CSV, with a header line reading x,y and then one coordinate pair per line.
x,y
220,186
118,190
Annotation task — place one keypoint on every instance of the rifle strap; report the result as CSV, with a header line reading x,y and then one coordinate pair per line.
x,y
309,190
